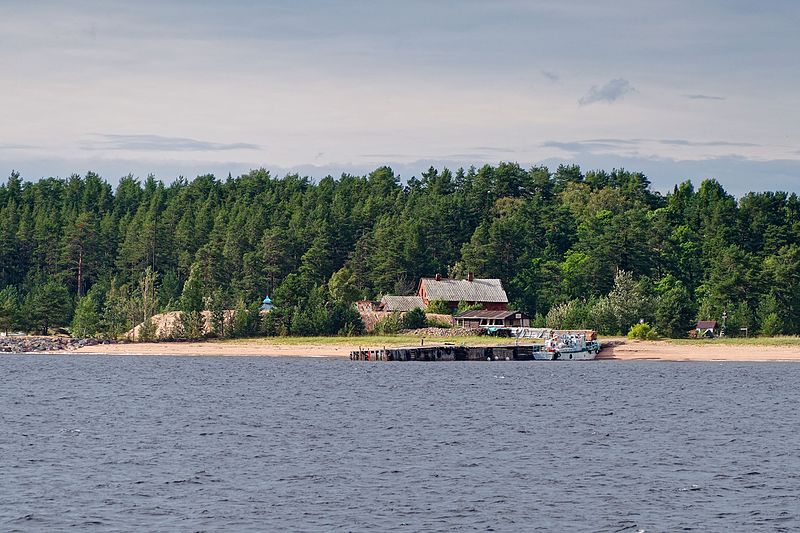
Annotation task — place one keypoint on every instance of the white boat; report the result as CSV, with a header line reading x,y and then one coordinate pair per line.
x,y
568,347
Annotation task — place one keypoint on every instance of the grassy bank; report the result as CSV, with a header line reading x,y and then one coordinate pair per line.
x,y
413,340
372,341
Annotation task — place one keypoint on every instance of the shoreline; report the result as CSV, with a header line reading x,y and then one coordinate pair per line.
x,y
628,350
616,349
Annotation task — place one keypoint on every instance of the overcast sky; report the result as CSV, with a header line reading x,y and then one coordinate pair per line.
x,y
676,89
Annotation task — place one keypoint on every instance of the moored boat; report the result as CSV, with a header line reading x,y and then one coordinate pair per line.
x,y
569,347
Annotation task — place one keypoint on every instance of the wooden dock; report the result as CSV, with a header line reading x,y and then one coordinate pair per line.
x,y
522,352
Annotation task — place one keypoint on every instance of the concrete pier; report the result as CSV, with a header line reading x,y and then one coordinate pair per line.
x,y
450,353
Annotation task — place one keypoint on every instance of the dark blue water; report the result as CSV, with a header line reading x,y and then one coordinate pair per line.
x,y
260,444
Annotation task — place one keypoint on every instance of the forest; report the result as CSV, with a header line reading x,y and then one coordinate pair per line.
x,y
573,248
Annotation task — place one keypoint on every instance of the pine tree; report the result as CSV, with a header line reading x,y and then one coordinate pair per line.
x,y
86,321
8,308
48,305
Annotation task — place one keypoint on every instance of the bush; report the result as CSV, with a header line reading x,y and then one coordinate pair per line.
x,y
86,321
603,316
345,320
770,317
642,332
438,323
190,325
389,325
464,306
438,307
275,323
568,315
414,319
771,325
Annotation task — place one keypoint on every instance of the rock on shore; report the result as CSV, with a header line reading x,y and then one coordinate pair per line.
x,y
43,344
445,332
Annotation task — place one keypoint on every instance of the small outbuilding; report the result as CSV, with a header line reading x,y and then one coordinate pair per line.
x,y
493,319
706,328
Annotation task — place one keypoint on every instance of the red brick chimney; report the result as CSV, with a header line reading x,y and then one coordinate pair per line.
x,y
471,276
438,277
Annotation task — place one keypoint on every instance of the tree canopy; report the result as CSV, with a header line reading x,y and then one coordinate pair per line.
x,y
567,244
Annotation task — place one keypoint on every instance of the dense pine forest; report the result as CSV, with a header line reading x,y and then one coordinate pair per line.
x,y
574,249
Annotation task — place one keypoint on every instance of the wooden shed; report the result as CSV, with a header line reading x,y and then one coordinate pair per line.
x,y
706,328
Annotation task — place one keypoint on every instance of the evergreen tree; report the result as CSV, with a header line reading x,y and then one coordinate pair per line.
x,y
192,306
8,308
673,308
552,238
48,305
86,321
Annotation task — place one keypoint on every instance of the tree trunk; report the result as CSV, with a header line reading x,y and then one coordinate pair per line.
x,y
80,272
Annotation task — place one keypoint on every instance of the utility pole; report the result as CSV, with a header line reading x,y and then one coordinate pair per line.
x,y
724,318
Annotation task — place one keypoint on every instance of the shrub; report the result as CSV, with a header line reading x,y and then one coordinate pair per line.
x,y
464,306
603,316
568,315
438,307
434,322
86,321
642,332
389,325
414,319
147,332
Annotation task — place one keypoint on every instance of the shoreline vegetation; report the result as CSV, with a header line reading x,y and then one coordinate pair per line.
x,y
262,256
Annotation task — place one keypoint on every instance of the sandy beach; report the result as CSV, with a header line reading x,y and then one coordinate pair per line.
x,y
225,349
665,351
616,349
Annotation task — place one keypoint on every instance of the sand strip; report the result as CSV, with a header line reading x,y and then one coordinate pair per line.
x,y
665,351
618,349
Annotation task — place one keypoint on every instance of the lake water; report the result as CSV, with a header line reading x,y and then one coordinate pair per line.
x,y
261,444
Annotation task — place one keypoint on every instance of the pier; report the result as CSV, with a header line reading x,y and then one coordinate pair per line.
x,y
523,352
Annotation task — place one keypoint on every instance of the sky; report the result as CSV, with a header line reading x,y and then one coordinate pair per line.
x,y
676,89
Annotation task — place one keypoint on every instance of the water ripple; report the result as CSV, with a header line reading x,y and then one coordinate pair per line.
x,y
255,444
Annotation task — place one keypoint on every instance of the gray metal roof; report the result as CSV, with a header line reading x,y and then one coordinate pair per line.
x,y
402,303
457,290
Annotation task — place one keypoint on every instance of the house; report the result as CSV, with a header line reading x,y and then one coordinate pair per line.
x,y
488,293
493,319
706,328
401,303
